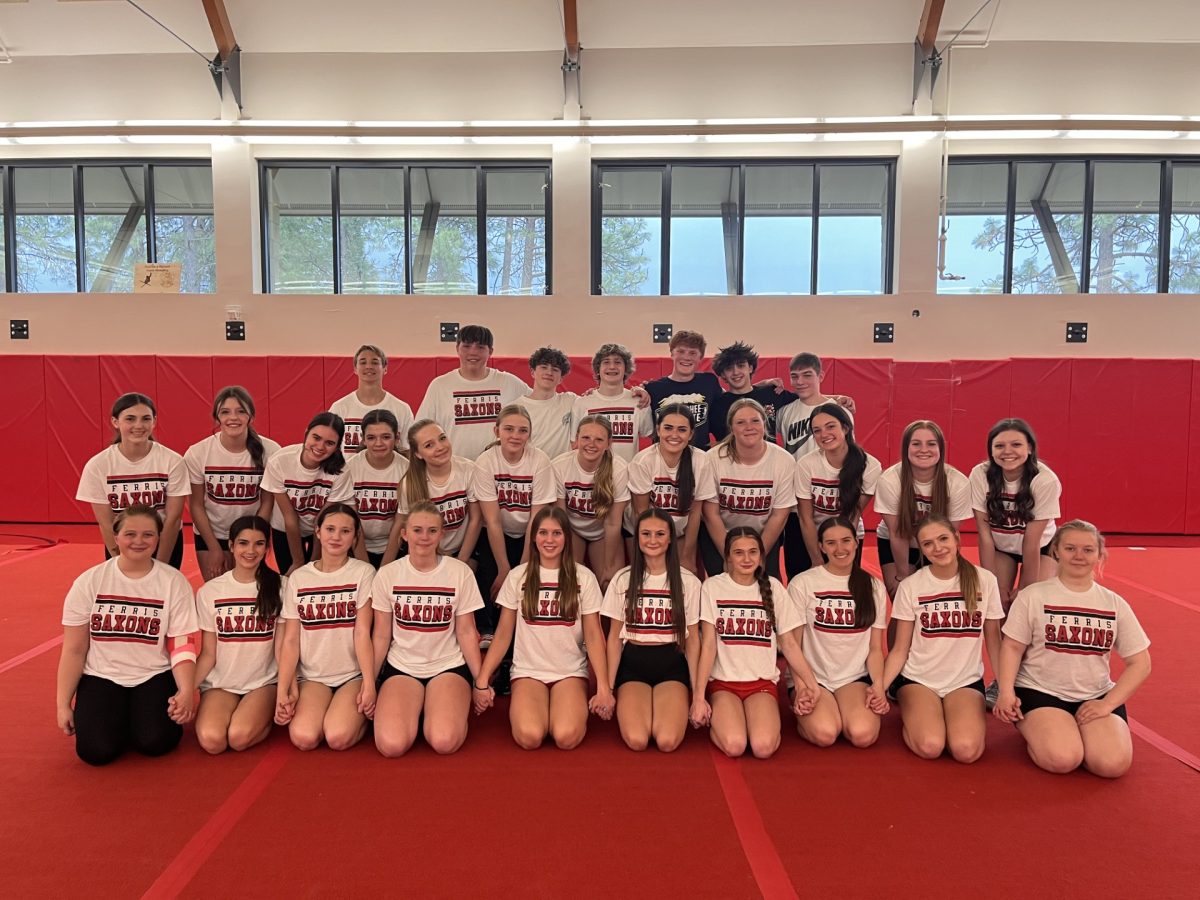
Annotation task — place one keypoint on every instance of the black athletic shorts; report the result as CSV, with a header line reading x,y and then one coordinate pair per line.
x,y
652,664
1031,700
202,545
886,557
893,689
1016,557
389,670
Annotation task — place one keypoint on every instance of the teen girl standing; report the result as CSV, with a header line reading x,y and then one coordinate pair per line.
x,y
425,643
552,605
753,483
844,613
136,470
237,668
1055,678
653,642
326,662
945,615
126,676
1015,498
225,471
374,473
838,479
747,619
297,483
593,488
920,485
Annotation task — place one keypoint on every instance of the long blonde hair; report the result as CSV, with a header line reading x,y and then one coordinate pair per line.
x,y
415,482
968,575
603,489
568,577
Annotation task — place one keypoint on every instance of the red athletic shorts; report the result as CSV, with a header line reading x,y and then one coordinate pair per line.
x,y
743,689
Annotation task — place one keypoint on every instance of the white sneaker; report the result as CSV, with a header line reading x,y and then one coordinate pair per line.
x,y
991,695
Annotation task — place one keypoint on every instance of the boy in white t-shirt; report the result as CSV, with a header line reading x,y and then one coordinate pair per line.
x,y
370,365
549,408
612,366
465,402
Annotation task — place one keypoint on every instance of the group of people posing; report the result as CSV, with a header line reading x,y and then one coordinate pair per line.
x,y
516,538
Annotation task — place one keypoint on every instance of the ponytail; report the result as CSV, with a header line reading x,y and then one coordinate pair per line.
x,y
415,482
266,579
760,573
603,489
850,477
254,444
685,474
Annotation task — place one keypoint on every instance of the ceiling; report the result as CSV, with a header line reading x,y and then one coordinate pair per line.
x,y
71,27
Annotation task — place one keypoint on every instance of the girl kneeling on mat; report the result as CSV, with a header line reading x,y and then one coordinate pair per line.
x,y
128,661
945,613
553,605
653,606
747,619
326,688
844,613
237,668
1055,682
426,645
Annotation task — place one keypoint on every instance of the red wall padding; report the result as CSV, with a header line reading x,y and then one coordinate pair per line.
x,y
1094,417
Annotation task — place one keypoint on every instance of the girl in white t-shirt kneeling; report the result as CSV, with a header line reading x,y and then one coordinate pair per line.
x,y
844,613
237,669
747,619
552,604
426,644
325,660
945,614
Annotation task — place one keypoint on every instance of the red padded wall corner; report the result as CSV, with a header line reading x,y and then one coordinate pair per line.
x,y
23,477
1192,523
869,383
829,369
295,395
1162,398
339,378
122,375
251,373
980,396
73,409
408,379
185,396
1098,483
920,390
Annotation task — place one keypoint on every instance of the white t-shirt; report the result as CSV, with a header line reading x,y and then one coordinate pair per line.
x,y
108,477
817,480
947,643
308,490
245,659
550,425
130,619
654,618
746,646
1069,636
327,604
627,420
1010,534
794,429
833,646
548,647
352,411
649,474
467,410
423,607
230,480
452,498
748,494
375,497
574,486
887,498
515,487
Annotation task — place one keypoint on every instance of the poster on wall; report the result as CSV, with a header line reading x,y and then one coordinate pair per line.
x,y
156,278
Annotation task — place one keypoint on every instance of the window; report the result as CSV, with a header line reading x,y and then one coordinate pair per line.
x,y
395,228
727,228
1063,225
84,226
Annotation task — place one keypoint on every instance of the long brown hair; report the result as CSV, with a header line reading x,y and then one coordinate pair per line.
x,y
266,579
760,573
860,583
908,514
568,577
253,442
968,575
850,476
1023,502
638,574
685,473
603,489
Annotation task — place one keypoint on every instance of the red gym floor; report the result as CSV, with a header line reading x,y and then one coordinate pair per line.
x,y
601,820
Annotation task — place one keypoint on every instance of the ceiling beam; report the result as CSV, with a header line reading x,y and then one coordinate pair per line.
x,y
931,21
222,31
571,30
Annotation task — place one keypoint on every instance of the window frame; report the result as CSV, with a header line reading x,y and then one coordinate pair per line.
x,y
664,166
1089,160
8,170
481,166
